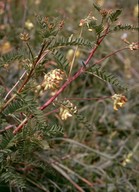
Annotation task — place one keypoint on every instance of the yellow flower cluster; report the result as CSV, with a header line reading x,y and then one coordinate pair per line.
x,y
119,101
67,109
53,79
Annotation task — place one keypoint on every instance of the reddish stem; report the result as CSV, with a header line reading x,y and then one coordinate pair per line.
x,y
88,99
107,56
21,125
77,74
7,128
70,79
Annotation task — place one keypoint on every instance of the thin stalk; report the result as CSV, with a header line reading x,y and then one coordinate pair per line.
x,y
113,53
22,124
39,186
88,99
7,128
30,50
74,173
15,85
63,173
74,56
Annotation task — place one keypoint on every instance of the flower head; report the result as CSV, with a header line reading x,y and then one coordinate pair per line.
x,y
24,36
119,101
53,79
67,109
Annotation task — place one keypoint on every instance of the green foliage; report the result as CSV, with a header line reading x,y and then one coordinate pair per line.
x,y
14,107
61,60
49,28
11,57
13,179
99,29
81,119
63,42
55,131
114,15
107,77
125,27
97,7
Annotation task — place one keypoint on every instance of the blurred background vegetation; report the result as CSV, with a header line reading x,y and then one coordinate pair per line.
x,y
108,154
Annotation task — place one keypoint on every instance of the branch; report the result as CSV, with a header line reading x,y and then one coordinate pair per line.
x,y
7,128
15,85
113,53
77,74
69,81
88,99
40,57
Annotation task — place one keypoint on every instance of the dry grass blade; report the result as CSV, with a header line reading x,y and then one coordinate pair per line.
x,y
62,172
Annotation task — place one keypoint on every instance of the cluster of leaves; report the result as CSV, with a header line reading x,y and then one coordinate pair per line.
x,y
34,157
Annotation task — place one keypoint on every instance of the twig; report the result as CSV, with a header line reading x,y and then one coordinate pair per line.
x,y
69,81
72,172
62,172
54,111
7,128
30,50
105,155
88,99
25,12
77,74
21,124
32,70
40,186
40,57
74,55
15,85
113,53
